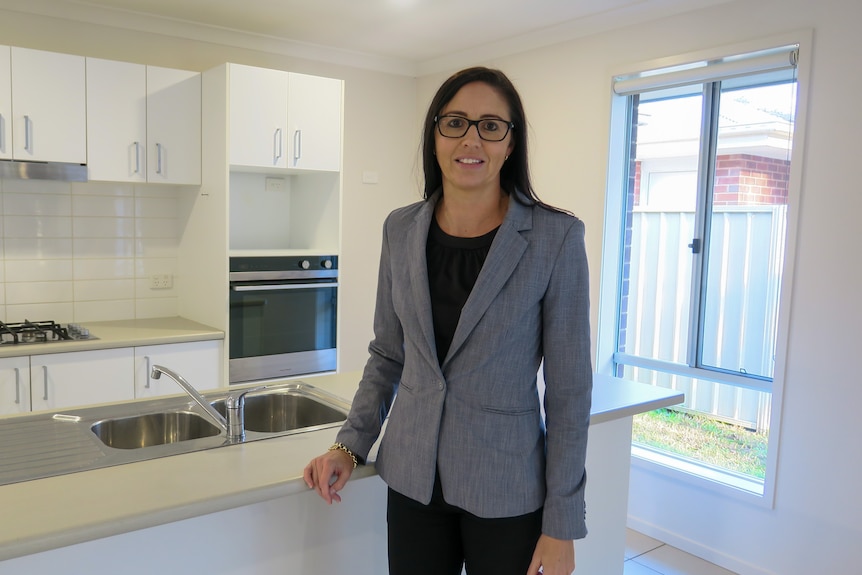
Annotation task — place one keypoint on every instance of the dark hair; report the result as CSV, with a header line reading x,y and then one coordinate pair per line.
x,y
515,173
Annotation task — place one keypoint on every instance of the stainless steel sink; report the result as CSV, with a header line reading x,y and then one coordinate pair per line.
x,y
153,429
286,410
48,444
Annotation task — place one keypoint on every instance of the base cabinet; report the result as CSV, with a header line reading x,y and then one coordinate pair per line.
x,y
61,380
198,362
14,385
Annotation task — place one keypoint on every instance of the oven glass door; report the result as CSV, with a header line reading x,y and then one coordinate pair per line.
x,y
282,328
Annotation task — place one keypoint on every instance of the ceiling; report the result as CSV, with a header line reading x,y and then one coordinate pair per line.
x,y
404,36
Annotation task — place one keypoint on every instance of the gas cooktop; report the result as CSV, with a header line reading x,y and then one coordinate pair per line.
x,y
41,332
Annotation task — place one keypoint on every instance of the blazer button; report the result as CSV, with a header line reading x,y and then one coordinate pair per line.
x,y
440,385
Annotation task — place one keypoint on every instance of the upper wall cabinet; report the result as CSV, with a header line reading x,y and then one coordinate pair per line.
x,y
314,122
173,126
258,116
284,120
116,121
5,104
49,109
144,123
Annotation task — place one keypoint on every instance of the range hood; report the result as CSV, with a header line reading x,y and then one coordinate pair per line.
x,y
43,171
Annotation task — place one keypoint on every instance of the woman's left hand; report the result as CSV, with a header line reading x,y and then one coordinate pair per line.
x,y
553,557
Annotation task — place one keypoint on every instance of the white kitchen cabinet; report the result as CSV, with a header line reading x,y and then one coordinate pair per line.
x,y
116,121
76,378
314,123
49,109
199,363
14,385
5,103
173,126
143,123
284,120
258,116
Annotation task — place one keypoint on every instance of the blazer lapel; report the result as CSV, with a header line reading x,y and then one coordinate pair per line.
x,y
503,257
417,239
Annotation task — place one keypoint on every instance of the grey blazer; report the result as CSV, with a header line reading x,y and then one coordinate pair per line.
x,y
476,418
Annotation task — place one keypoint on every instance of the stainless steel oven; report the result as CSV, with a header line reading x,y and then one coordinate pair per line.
x,y
283,316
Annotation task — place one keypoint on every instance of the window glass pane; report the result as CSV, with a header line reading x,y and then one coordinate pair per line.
x,y
661,196
719,426
747,228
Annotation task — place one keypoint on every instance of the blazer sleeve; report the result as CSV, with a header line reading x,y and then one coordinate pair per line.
x,y
383,369
568,387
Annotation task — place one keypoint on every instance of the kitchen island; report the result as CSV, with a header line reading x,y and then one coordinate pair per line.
x,y
245,508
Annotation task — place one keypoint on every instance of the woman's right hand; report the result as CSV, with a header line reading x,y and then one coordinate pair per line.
x,y
328,474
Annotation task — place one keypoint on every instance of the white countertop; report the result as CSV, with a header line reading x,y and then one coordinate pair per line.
x,y
54,512
123,333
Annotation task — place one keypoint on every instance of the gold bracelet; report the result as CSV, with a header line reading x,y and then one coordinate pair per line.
x,y
345,449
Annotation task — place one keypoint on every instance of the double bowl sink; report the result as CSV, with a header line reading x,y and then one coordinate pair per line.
x,y
90,438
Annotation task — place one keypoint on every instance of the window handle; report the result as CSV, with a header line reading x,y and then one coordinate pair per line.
x,y
695,245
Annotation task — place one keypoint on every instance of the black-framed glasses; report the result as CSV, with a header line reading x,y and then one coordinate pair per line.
x,y
490,129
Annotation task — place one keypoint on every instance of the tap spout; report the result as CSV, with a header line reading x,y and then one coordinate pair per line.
x,y
157,372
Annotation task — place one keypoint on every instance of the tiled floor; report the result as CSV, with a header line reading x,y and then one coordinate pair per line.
x,y
647,556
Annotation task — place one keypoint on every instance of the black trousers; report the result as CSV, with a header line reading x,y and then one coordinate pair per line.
x,y
438,539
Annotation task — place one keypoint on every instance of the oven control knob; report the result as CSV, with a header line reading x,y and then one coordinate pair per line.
x,y
305,264
327,264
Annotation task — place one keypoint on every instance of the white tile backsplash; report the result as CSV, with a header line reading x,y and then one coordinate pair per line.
x,y
62,312
85,251
103,206
36,205
108,268
37,227
92,227
156,307
38,292
37,248
39,270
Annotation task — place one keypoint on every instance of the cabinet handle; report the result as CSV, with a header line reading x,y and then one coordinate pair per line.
x,y
159,159
45,381
277,145
17,385
137,157
297,146
27,131
147,360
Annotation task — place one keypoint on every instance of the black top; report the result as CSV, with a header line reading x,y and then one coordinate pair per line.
x,y
453,265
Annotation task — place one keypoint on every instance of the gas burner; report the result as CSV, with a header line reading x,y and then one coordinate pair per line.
x,y
40,332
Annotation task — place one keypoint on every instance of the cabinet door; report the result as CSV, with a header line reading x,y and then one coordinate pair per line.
x,y
200,363
14,385
5,104
81,378
116,121
49,106
258,116
173,126
314,122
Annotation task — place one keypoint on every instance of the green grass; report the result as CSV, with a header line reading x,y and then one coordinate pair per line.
x,y
704,439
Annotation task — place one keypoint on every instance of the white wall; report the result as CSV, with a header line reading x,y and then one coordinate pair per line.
x,y
815,524
380,134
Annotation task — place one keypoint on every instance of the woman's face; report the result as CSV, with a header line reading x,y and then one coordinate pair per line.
x,y
470,163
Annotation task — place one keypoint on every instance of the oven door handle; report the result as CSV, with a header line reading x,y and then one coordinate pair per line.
x,y
283,286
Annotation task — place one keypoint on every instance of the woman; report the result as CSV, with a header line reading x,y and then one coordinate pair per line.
x,y
478,285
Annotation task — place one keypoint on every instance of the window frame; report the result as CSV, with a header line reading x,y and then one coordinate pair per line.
x,y
612,253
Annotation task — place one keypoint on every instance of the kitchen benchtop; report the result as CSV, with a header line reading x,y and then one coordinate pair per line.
x,y
123,333
65,510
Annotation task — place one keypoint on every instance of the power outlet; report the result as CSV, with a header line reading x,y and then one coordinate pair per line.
x,y
275,185
161,281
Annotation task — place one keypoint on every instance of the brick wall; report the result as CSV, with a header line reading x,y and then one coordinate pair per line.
x,y
742,179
